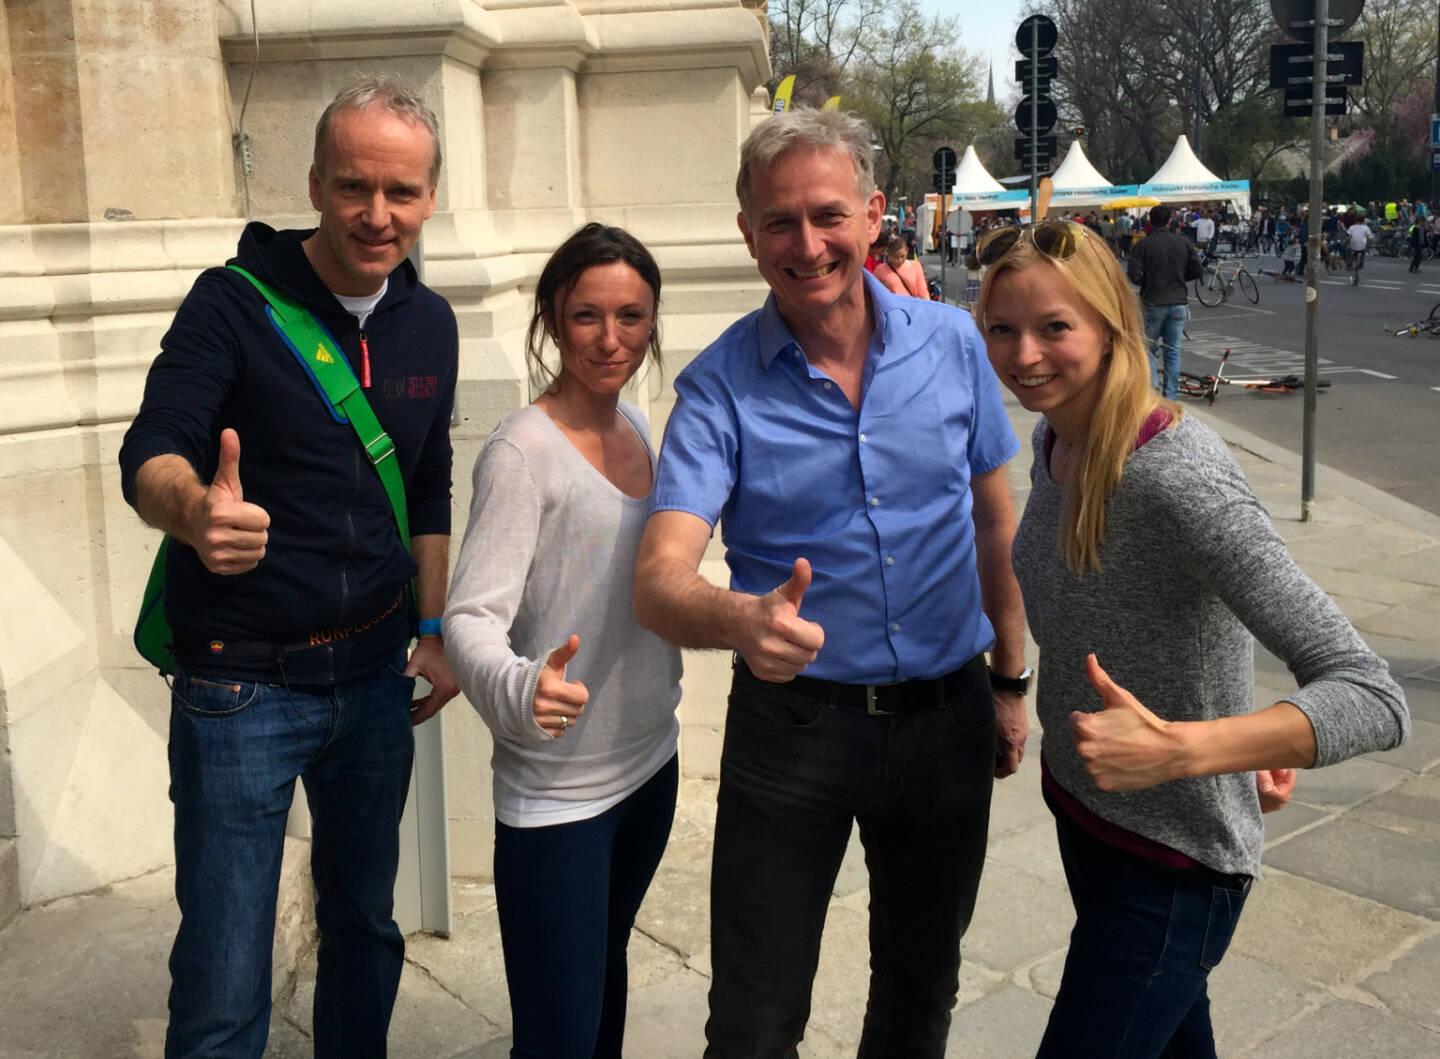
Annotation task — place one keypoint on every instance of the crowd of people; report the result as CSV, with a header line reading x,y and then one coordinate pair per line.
x,y
849,440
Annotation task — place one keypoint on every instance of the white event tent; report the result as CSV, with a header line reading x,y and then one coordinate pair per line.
x,y
975,189
1184,178
1078,183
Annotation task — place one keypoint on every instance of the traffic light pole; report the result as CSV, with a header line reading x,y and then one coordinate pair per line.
x,y
1034,121
1318,97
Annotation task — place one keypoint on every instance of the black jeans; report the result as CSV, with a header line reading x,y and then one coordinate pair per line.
x,y
794,774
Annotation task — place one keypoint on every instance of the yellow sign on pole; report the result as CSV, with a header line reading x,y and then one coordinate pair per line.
x,y
833,103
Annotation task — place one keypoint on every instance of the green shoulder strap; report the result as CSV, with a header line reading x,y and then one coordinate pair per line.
x,y
336,383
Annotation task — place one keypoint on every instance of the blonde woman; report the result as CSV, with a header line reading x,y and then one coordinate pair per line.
x,y
1146,564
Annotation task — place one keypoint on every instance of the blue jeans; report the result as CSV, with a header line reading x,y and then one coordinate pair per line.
x,y
1167,323
795,774
567,897
236,749
1144,943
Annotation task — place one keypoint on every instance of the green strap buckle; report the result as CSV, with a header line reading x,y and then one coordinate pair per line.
x,y
380,448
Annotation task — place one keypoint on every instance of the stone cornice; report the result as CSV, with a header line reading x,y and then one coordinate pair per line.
x,y
590,37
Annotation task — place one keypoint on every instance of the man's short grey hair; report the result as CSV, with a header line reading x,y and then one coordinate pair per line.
x,y
811,130
379,90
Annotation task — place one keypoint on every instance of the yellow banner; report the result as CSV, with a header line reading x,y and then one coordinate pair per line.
x,y
782,95
833,103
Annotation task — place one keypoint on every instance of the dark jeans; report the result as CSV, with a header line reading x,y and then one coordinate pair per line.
x,y
1144,943
567,897
236,749
794,774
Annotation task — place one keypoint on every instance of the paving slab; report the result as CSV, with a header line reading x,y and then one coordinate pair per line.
x,y
1347,783
1418,753
1343,1029
1318,934
1005,1024
1413,809
1020,917
1395,869
1250,1001
1033,850
1292,818
1410,986
1423,697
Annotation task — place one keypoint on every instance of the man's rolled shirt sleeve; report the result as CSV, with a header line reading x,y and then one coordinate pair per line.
x,y
700,456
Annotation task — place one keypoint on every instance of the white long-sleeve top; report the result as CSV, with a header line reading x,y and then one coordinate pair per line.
x,y
549,551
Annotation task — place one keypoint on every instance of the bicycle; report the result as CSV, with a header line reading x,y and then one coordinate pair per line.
x,y
1214,287
1208,386
1354,262
1428,325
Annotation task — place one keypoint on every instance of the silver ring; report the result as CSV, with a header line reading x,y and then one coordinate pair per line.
x,y
564,722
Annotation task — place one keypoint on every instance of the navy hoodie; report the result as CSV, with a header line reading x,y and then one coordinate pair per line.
x,y
325,594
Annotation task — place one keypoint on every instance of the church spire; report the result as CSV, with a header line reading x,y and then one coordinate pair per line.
x,y
990,92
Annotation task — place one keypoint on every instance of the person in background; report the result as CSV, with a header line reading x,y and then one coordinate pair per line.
x,y
1161,265
1149,569
899,274
543,639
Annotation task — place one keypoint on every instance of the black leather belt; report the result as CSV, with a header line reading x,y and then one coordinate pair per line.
x,y
883,700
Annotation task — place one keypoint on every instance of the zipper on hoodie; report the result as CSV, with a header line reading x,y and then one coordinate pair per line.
x,y
364,360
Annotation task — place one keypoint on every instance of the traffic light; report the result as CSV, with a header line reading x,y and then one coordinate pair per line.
x,y
1079,131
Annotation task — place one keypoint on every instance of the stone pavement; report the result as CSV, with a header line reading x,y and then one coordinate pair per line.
x,y
1337,955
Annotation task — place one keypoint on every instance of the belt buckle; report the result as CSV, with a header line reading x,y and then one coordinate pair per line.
x,y
870,707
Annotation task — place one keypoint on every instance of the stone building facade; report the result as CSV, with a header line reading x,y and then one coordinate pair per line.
x,y
123,173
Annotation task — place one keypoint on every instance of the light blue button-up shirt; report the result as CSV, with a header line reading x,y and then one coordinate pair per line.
x,y
878,500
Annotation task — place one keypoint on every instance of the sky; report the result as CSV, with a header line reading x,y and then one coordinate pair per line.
x,y
987,27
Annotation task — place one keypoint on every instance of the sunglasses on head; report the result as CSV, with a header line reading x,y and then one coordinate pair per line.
x,y
1057,239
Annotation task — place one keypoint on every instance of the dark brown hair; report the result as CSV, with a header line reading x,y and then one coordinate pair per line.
x,y
594,244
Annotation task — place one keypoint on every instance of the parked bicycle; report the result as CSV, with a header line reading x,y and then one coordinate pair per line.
x,y
1207,386
1221,278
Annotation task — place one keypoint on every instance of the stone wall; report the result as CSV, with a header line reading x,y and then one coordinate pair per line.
x,y
118,184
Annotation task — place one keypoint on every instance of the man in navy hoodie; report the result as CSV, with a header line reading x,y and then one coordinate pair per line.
x,y
286,583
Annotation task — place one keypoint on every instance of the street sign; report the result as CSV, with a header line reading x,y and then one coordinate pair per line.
x,y
1044,119
1292,64
1343,14
1435,159
1045,148
1435,130
1046,67
945,159
1298,100
1036,35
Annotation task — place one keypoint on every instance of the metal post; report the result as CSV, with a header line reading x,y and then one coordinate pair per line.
x,y
1318,96
1199,70
1435,109
944,229
1034,121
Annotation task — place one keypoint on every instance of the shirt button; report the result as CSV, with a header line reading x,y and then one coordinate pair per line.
x,y
874,501
889,560
894,626
863,438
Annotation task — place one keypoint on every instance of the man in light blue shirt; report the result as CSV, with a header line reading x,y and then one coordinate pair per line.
x,y
851,445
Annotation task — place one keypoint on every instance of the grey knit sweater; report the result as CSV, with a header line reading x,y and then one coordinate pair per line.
x,y
1189,563
549,551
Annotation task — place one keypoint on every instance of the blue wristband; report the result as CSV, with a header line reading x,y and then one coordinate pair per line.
x,y
429,627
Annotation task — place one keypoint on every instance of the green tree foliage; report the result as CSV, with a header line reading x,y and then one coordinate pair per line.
x,y
902,72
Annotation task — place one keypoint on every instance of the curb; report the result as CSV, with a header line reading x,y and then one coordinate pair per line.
x,y
1383,504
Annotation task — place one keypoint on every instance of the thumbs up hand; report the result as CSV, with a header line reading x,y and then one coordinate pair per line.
x,y
229,534
1125,747
558,702
775,641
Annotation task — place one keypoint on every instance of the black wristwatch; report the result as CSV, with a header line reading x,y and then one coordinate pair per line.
x,y
1019,685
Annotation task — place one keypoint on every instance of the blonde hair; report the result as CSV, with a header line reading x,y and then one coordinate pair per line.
x,y
1126,397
